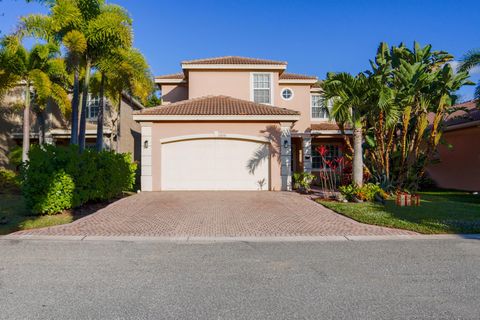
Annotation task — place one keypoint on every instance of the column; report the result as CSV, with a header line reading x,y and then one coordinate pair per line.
x,y
307,153
146,162
286,155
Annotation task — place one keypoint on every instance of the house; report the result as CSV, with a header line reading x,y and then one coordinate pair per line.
x,y
234,123
458,161
52,126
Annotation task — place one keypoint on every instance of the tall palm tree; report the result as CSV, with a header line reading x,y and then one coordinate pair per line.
x,y
350,104
89,29
468,62
38,71
124,70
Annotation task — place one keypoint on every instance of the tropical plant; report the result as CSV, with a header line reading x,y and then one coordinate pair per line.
x,y
350,98
90,30
468,62
40,71
302,181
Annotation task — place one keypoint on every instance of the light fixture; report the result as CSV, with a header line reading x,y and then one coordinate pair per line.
x,y
145,144
285,143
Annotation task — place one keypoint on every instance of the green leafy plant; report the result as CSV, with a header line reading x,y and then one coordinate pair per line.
x,y
9,182
303,181
367,192
57,178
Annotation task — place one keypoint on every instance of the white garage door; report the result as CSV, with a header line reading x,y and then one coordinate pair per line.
x,y
214,164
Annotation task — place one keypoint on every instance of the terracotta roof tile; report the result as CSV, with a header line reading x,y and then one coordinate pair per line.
x,y
469,114
216,105
326,126
178,75
233,60
296,76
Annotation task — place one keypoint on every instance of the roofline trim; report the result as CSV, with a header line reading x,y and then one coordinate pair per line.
x,y
309,81
331,132
166,81
463,125
235,66
152,117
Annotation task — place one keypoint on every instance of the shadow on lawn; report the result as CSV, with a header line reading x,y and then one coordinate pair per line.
x,y
14,215
442,211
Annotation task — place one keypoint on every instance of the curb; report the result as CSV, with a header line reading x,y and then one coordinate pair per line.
x,y
187,239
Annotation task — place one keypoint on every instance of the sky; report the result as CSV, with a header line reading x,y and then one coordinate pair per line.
x,y
315,37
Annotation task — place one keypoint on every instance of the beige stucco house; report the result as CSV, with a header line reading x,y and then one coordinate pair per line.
x,y
121,132
233,123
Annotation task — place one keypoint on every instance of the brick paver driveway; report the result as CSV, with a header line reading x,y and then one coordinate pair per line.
x,y
210,214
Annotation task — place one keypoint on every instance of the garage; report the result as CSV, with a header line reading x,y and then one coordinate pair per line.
x,y
215,164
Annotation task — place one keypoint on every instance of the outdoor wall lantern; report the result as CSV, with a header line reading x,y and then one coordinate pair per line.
x,y
285,143
145,144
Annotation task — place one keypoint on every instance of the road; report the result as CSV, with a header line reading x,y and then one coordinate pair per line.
x,y
393,279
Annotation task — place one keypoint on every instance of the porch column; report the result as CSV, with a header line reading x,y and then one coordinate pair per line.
x,y
286,155
146,162
307,153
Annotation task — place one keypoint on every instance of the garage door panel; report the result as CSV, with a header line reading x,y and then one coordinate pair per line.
x,y
212,164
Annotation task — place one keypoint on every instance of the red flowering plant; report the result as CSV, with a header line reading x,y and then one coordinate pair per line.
x,y
330,171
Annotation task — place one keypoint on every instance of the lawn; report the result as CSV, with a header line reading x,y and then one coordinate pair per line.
x,y
439,212
12,207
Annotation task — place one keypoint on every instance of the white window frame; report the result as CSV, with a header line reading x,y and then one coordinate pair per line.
x,y
271,86
311,109
291,90
90,98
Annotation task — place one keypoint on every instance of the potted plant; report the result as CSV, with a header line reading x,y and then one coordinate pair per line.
x,y
302,181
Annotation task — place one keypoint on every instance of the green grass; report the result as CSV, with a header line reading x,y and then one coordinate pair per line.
x,y
439,212
18,218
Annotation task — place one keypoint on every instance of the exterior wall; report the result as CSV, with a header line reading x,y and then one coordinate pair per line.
x,y
229,83
459,167
129,135
162,130
299,102
174,92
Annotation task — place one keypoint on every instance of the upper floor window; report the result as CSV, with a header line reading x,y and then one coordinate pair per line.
x,y
262,88
319,111
287,94
93,107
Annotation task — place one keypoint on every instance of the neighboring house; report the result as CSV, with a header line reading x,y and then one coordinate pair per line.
x,y
51,126
234,123
458,162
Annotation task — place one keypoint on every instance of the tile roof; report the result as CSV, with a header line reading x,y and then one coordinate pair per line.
x,y
296,76
326,126
470,114
233,60
178,75
216,105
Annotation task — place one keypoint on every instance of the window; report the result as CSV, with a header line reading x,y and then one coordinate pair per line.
x,y
262,88
92,107
287,94
318,111
333,151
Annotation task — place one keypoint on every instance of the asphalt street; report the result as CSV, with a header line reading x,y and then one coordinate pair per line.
x,y
392,279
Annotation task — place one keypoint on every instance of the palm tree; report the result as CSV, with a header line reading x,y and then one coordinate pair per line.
x,y
89,29
350,97
122,71
38,70
468,62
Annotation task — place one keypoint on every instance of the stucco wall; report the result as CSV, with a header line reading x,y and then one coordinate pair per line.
x,y
174,92
161,130
129,139
459,167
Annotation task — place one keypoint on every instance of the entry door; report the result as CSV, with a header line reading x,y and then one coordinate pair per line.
x,y
215,164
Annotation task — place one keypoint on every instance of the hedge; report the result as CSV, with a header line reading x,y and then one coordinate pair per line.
x,y
57,178
9,182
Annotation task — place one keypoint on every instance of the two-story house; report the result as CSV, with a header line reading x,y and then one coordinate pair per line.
x,y
234,123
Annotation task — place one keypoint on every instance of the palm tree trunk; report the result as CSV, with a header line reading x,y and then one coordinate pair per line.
x,y
26,125
41,127
83,115
357,156
75,104
101,108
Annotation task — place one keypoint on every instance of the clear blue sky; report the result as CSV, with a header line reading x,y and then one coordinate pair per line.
x,y
313,36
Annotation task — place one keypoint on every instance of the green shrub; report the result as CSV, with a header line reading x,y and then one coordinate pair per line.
x,y
95,176
366,192
9,182
303,180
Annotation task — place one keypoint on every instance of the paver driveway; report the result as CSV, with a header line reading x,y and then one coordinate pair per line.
x,y
210,214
